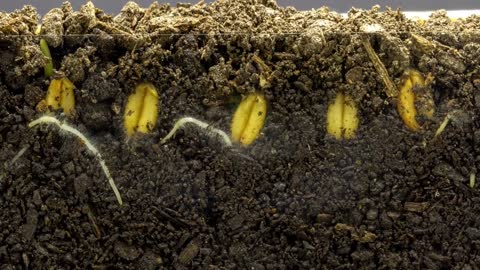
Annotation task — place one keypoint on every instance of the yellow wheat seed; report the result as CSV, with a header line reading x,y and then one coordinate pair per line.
x,y
141,110
414,93
249,118
60,95
342,118
406,106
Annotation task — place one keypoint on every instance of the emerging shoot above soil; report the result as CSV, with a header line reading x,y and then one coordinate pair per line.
x,y
54,121
48,69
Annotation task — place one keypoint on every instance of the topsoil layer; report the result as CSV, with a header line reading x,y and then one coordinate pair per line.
x,y
296,198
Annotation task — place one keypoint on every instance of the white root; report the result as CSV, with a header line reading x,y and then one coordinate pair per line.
x,y
18,155
443,125
88,144
14,159
210,130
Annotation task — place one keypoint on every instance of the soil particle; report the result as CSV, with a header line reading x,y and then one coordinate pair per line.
x,y
446,170
416,207
33,95
149,261
29,228
473,233
189,253
81,184
52,27
125,251
456,65
77,64
19,22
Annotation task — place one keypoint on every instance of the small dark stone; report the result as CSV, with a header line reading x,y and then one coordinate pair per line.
x,y
235,222
126,252
473,233
149,261
372,214
324,218
188,253
81,184
362,255
28,229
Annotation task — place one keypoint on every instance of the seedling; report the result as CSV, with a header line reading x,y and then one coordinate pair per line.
x,y
60,95
141,110
48,68
69,129
247,122
248,119
210,130
472,180
342,119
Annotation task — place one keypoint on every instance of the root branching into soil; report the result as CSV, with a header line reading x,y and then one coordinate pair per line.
x,y
63,126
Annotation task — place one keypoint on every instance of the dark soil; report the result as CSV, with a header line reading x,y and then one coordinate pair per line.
x,y
295,199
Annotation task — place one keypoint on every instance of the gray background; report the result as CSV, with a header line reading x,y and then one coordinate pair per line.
x,y
114,6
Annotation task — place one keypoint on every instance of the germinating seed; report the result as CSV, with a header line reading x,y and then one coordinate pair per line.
x,y
141,110
249,119
342,118
60,95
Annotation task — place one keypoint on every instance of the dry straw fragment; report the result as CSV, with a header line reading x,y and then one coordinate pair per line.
x,y
391,90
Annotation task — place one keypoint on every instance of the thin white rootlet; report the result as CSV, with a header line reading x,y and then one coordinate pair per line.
x,y
18,155
14,159
472,180
443,125
181,122
93,149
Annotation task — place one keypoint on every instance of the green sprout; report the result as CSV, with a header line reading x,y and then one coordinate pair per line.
x,y
48,69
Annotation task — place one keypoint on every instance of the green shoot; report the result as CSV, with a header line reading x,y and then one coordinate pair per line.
x,y
48,69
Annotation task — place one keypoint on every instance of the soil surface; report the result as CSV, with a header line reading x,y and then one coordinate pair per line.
x,y
296,198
